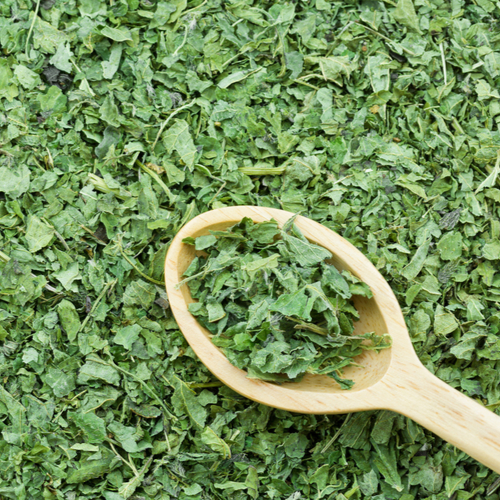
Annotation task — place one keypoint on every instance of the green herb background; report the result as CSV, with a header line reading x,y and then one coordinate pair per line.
x,y
123,119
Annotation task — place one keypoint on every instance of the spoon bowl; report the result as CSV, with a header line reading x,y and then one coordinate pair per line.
x,y
392,379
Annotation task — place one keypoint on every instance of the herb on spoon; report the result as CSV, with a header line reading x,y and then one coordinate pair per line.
x,y
274,305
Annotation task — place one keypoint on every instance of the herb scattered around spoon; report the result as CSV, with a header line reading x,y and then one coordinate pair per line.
x,y
274,305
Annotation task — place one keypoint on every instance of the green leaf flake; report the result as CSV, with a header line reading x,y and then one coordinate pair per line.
x,y
185,401
306,254
139,293
368,484
109,112
60,382
67,276
203,242
27,78
96,370
127,336
14,182
178,138
215,443
38,234
126,436
450,246
412,270
117,34
444,322
385,461
110,67
467,346
491,250
406,15
90,470
62,58
92,426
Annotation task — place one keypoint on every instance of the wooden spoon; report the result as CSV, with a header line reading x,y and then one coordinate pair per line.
x,y
393,379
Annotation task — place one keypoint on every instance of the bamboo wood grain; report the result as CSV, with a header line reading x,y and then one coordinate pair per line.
x,y
393,379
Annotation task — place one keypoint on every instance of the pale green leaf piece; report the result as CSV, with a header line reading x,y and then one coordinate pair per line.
x,y
474,308
93,426
238,76
142,372
85,447
263,264
320,477
92,8
140,293
430,477
109,112
405,14
121,34
61,59
412,186
444,322
46,37
491,180
295,63
215,443
368,483
307,254
455,483
252,483
7,88
184,400
286,14
128,438
98,370
110,67
38,234
15,410
491,250
111,495
127,489
178,138
68,318
27,78
128,335
67,276
231,486
484,91
162,14
54,100
90,470
14,182
215,310
332,68
290,304
203,242
385,461
450,246
467,346
412,270
419,324
180,6
61,383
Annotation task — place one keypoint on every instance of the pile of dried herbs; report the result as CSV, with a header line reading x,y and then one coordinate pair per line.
x,y
122,120
273,304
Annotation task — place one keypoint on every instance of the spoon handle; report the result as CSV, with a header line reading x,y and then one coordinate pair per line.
x,y
448,413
